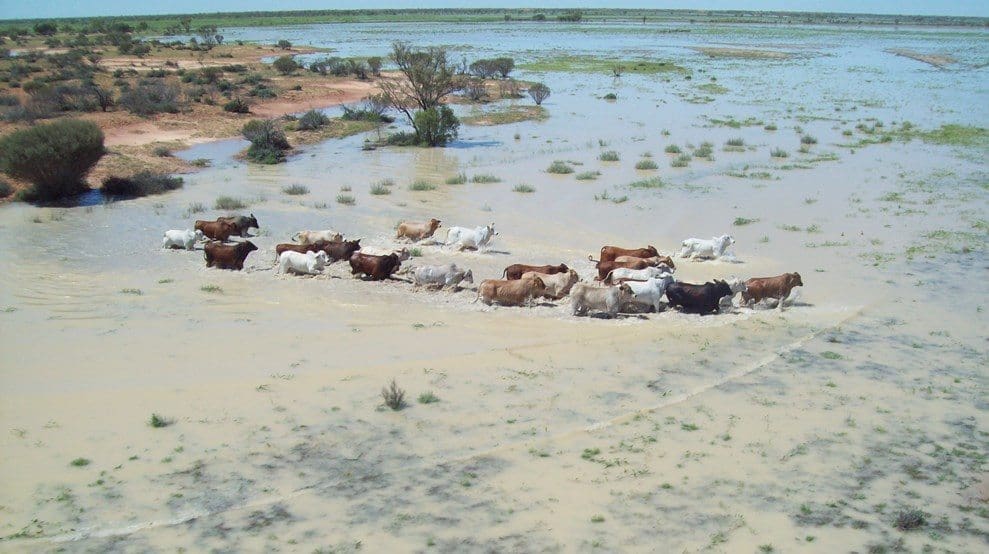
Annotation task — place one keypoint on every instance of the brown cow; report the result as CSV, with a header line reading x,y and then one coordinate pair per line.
x,y
415,230
604,268
515,271
779,287
242,223
217,230
335,251
558,285
227,256
377,268
654,261
510,293
300,248
609,253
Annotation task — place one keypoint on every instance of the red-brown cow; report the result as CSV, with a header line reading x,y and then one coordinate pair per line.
x,y
604,268
609,253
514,272
654,261
377,268
217,230
227,256
779,287
300,248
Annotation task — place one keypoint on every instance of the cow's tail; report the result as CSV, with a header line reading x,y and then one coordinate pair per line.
x,y
478,297
504,273
607,278
591,258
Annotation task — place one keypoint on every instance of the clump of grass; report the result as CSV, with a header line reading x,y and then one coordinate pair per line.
x,y
80,462
485,178
689,427
158,421
704,151
212,289
162,151
195,208
683,160
387,182
296,190
378,189
609,156
346,199
779,153
804,149
794,228
524,188
650,183
588,175
421,185
739,221
597,518
909,519
672,149
136,292
393,396
560,168
646,164
457,179
201,162
807,139
829,355
770,127
610,96
737,141
415,252
229,203
428,398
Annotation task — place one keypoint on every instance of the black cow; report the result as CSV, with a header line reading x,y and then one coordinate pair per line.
x,y
698,298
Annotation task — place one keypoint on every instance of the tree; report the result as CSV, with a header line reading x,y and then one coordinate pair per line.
x,y
54,157
268,142
285,64
45,29
284,44
427,77
504,66
539,92
104,96
209,36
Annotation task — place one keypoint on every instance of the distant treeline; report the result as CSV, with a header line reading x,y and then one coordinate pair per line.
x,y
182,23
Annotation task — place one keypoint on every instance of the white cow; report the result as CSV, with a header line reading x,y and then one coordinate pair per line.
x,y
557,285
448,275
462,237
587,297
625,274
701,248
181,238
311,237
649,292
736,285
309,263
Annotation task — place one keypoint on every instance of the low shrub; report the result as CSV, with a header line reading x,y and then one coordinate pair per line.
x,y
149,98
378,189
346,199
646,164
738,141
683,160
5,189
559,167
285,64
229,203
162,151
483,178
312,120
393,396
524,188
588,175
458,179
237,106
672,149
142,184
808,139
421,185
268,142
608,156
295,190
778,153
610,96
54,157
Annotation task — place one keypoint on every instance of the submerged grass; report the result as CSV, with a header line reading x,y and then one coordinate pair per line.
x,y
592,64
485,178
560,168
650,183
588,175
507,114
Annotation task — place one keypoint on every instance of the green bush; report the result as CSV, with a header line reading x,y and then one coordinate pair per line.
x,y
54,157
268,142
149,98
142,184
646,164
285,64
608,156
436,126
312,120
559,167
295,190
237,106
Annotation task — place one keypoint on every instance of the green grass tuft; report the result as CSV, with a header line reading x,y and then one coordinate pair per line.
x,y
560,168
421,185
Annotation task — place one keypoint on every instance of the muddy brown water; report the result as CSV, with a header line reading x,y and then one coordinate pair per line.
x,y
818,428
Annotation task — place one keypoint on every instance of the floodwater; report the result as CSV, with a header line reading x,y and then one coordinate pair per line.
x,y
855,419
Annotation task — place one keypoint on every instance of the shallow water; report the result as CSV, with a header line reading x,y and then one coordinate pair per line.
x,y
806,429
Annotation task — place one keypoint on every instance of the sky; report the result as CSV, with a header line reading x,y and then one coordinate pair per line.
x,y
31,9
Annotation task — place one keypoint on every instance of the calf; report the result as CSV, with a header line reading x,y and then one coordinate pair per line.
x,y
609,253
779,287
463,238
227,256
649,292
698,298
376,268
175,238
308,237
622,274
448,275
515,271
510,293
309,263
216,230
701,248
242,223
415,230
586,297
654,261
558,285
604,268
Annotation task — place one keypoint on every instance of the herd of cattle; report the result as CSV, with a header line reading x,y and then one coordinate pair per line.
x,y
628,279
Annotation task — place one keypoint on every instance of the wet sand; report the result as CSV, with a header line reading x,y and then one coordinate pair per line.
x,y
818,428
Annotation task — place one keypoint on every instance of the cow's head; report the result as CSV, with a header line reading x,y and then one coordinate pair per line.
x,y
199,235
253,222
795,280
322,256
434,223
403,254
469,276
652,250
248,246
563,268
625,291
491,230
